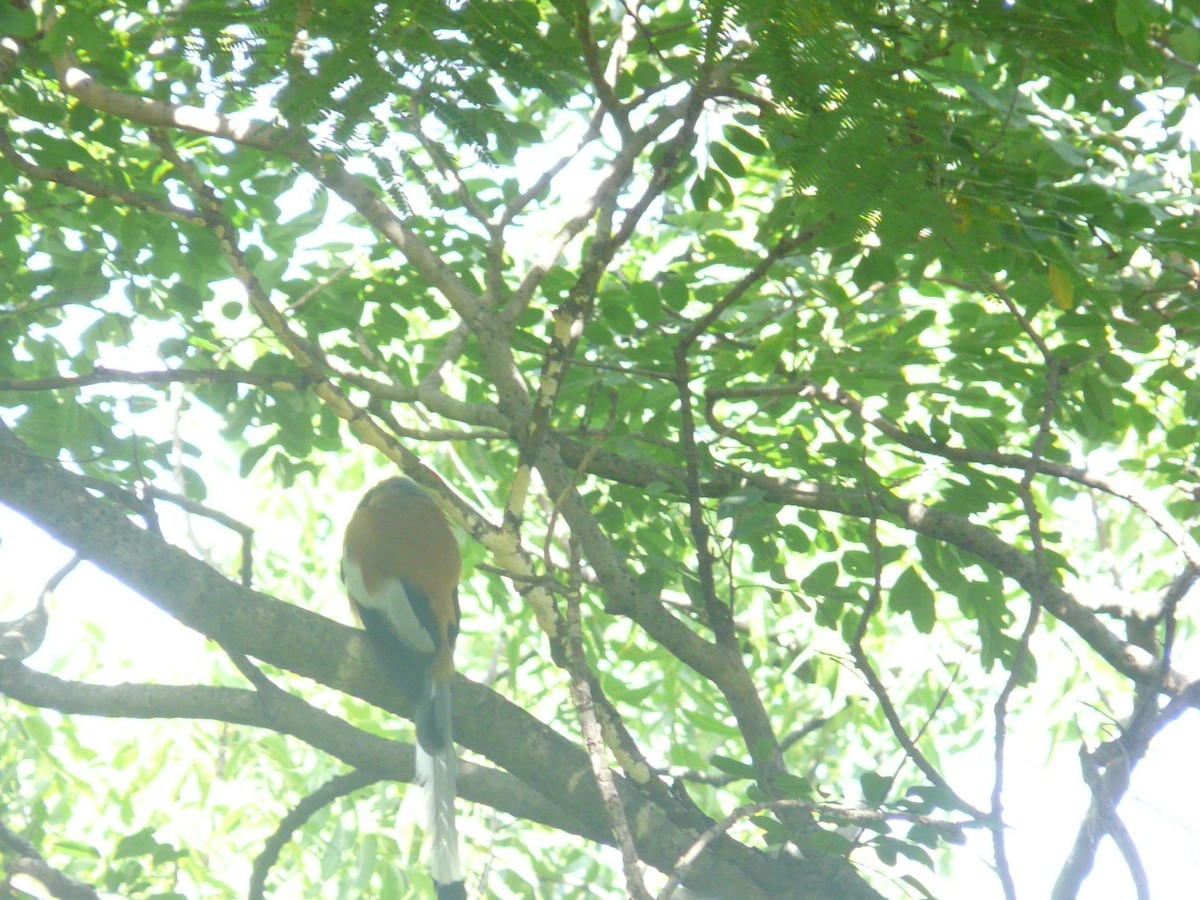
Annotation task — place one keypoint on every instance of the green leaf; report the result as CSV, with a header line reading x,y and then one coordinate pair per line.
x,y
915,884
912,595
726,160
876,267
674,292
875,787
732,766
702,190
77,849
745,141
821,580
143,843
17,22
1126,18
37,730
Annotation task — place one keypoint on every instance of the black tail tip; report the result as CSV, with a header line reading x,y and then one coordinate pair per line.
x,y
455,890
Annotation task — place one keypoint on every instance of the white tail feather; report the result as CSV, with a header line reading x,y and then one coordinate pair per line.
x,y
437,774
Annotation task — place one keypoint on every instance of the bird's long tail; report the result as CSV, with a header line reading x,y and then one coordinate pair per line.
x,y
436,771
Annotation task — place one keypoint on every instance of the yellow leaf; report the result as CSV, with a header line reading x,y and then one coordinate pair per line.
x,y
1062,289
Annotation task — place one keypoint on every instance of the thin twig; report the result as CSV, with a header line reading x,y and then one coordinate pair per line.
x,y
830,813
1021,654
1161,519
32,864
863,663
930,717
593,739
149,493
67,178
335,788
103,375
591,57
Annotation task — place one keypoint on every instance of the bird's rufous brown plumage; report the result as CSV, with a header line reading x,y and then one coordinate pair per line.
x,y
401,565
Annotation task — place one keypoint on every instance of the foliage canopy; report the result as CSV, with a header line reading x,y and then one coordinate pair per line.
x,y
802,376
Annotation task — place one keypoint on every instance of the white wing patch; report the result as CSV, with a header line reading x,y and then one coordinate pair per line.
x,y
392,601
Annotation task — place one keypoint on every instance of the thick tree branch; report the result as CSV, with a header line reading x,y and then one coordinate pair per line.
x,y
738,688
1109,770
294,639
30,863
284,713
593,738
569,320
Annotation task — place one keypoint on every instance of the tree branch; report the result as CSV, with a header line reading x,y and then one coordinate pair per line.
x,y
290,144
879,689
593,738
304,643
977,540
104,375
30,863
1114,486
71,179
337,787
1021,654
591,58
279,711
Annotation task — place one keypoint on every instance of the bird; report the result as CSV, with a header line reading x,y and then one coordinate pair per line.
x,y
401,566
